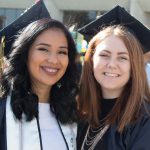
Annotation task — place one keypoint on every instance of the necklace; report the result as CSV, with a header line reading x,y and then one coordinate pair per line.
x,y
92,141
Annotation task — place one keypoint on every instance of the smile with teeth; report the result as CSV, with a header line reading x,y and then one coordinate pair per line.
x,y
50,70
111,74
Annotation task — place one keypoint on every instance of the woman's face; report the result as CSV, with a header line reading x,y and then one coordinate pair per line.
x,y
111,66
48,58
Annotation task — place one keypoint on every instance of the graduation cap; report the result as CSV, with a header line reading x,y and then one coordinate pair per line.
x,y
119,16
36,12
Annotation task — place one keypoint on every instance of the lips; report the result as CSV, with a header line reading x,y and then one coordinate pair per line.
x,y
50,70
111,74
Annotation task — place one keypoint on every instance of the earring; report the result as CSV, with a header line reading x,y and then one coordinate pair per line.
x,y
59,85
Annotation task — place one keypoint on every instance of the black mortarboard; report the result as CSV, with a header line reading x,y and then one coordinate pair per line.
x,y
36,12
118,15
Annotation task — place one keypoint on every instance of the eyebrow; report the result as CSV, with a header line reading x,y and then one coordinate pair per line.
x,y
43,44
65,47
48,45
107,51
120,53
123,53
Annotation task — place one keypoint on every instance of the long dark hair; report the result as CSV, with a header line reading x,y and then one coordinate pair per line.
x,y
17,77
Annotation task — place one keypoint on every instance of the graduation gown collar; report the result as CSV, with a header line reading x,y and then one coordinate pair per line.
x,y
21,135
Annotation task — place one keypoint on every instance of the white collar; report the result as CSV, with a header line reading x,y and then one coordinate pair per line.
x,y
21,135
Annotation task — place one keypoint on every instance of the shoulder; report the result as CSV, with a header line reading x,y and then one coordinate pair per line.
x,y
135,135
143,122
139,133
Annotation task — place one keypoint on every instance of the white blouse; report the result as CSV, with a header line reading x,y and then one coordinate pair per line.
x,y
24,135
50,132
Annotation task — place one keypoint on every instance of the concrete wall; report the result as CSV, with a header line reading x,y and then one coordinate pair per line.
x,y
16,3
56,7
88,4
137,11
53,10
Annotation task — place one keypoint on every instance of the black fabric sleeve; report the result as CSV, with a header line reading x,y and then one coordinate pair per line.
x,y
140,135
3,143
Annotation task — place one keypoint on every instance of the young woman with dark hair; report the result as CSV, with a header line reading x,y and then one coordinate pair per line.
x,y
38,106
114,95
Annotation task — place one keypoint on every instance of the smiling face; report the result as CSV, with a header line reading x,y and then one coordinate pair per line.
x,y
111,66
48,58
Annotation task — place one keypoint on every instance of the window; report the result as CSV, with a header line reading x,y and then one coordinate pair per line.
x,y
1,22
79,18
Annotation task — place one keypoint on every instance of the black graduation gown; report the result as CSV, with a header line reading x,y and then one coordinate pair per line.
x,y
3,145
134,137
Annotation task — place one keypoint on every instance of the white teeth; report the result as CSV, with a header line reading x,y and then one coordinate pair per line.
x,y
111,74
51,70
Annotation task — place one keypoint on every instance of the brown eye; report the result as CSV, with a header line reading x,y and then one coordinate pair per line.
x,y
123,58
103,55
63,52
42,49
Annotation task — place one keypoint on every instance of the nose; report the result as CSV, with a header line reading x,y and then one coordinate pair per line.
x,y
112,63
52,58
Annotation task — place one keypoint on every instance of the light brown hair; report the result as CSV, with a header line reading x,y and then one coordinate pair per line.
x,y
135,94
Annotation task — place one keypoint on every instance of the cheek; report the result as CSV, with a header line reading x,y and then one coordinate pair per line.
x,y
128,69
65,62
29,64
96,67
129,72
33,62
31,67
97,70
97,64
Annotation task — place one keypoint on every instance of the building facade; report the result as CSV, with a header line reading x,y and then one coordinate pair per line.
x,y
75,12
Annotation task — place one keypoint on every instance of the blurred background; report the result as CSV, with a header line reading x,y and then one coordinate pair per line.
x,y
75,13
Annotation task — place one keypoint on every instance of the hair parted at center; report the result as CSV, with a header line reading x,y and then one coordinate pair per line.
x,y
135,94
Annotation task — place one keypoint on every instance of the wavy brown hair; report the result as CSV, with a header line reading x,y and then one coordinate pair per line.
x,y
135,94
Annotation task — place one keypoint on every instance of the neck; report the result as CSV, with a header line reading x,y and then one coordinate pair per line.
x,y
43,93
111,94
